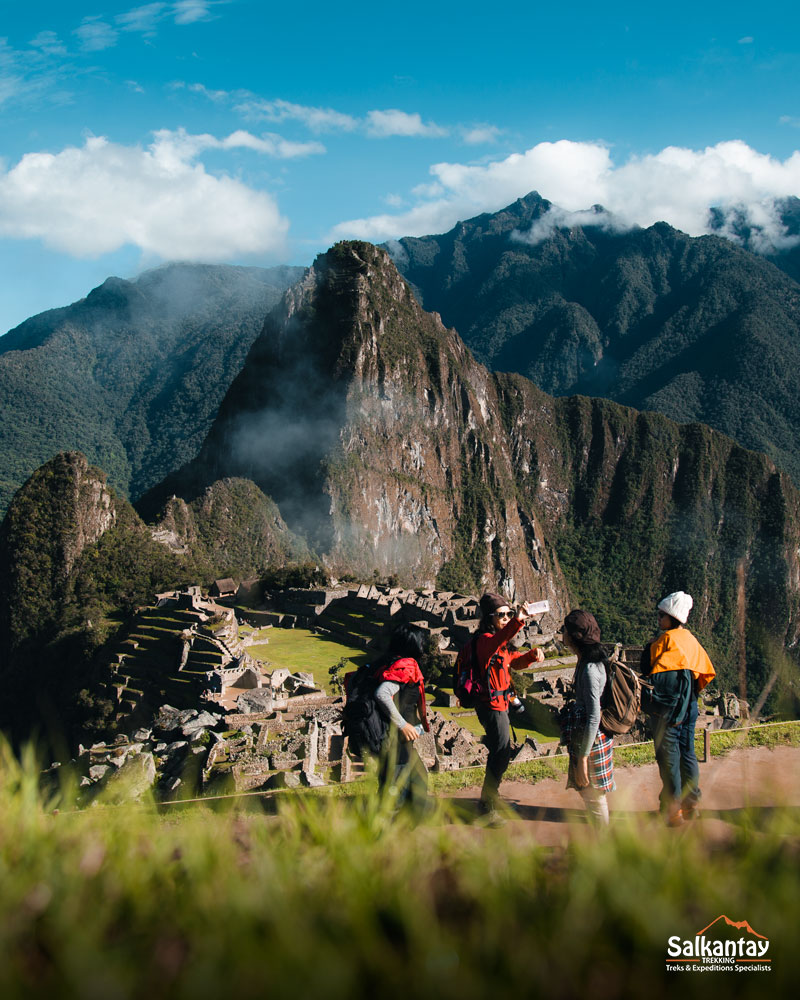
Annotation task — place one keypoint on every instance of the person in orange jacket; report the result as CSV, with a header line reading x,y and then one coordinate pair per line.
x,y
678,668
498,625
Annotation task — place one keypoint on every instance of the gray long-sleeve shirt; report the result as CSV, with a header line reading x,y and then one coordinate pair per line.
x,y
385,695
590,681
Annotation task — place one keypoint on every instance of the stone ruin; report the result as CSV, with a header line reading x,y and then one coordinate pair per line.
x,y
362,615
275,729
192,752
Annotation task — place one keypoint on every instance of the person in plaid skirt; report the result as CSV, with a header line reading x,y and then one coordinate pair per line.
x,y
591,760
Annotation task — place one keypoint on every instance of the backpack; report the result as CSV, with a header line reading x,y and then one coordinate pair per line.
x,y
363,722
468,686
622,697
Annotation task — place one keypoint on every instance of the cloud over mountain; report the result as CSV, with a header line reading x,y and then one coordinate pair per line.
x,y
676,185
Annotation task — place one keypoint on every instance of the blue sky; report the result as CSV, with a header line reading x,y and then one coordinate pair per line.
x,y
250,132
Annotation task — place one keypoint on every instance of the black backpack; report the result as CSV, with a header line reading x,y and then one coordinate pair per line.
x,y
468,686
363,722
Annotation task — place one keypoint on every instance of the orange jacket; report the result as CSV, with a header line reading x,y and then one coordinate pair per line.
x,y
494,656
677,649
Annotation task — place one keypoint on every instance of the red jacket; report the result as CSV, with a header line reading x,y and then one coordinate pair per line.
x,y
496,658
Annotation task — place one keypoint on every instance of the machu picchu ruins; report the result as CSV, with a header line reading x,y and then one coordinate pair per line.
x,y
195,712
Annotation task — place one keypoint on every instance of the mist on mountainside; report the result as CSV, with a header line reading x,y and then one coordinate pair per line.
x,y
133,374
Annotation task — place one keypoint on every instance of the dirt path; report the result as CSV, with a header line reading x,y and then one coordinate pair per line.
x,y
756,778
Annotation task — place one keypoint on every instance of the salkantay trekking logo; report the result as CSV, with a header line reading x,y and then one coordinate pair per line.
x,y
721,950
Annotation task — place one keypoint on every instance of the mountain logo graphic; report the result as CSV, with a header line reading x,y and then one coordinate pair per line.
x,y
724,945
737,924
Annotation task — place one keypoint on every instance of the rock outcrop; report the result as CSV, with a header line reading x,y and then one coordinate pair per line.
x,y
65,507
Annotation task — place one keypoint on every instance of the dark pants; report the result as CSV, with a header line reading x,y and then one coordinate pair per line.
x,y
402,773
498,740
677,761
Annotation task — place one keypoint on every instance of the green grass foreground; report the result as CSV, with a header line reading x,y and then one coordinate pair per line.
x,y
330,898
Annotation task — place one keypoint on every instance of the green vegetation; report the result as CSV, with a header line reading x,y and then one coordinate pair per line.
x,y
652,318
132,375
306,574
64,592
718,527
328,897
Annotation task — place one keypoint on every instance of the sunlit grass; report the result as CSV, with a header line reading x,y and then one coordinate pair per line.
x,y
331,897
301,649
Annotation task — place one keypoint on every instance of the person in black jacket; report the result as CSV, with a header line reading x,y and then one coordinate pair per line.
x,y
401,697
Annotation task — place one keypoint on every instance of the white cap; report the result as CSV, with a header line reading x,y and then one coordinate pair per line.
x,y
677,605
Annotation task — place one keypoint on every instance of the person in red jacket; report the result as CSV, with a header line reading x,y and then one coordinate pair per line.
x,y
499,624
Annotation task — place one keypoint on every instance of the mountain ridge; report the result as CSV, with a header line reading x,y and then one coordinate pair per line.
x,y
132,374
694,327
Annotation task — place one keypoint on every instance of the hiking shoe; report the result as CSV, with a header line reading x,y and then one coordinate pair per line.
x,y
675,818
690,812
493,819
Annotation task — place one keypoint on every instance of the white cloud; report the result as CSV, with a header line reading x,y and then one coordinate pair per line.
x,y
377,124
143,19
30,75
316,119
12,84
481,134
186,146
95,35
189,11
217,96
393,122
559,218
96,199
49,43
747,40
677,186
792,120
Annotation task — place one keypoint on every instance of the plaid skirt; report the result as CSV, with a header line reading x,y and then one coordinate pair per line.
x,y
600,764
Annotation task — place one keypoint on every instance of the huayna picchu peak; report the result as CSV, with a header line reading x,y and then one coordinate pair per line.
x,y
392,450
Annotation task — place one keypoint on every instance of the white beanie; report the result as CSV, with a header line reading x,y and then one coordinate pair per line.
x,y
677,605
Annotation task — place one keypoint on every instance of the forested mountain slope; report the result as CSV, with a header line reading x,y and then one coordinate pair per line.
x,y
699,329
133,374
